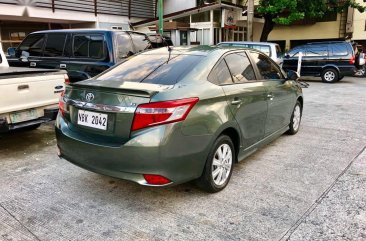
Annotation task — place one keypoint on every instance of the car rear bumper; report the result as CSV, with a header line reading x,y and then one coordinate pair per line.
x,y
49,115
161,150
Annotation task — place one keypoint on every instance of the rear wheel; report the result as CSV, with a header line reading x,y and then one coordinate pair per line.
x,y
330,75
295,119
219,166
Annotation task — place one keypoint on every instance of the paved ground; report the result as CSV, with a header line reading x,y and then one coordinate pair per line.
x,y
305,187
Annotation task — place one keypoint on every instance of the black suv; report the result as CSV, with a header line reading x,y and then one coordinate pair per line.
x,y
329,60
84,53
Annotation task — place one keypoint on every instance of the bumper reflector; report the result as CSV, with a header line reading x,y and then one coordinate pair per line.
x,y
156,179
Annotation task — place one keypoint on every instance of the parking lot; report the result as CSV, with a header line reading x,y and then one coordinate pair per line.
x,y
305,187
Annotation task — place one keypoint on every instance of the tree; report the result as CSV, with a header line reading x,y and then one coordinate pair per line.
x,y
286,12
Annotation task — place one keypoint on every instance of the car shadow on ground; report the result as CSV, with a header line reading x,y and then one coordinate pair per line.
x,y
319,80
21,140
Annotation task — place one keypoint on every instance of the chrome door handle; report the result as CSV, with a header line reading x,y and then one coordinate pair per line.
x,y
32,64
62,66
270,96
236,102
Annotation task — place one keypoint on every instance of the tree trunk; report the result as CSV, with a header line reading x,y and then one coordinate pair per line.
x,y
268,27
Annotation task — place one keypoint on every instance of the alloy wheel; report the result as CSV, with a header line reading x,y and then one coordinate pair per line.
x,y
329,76
296,118
222,164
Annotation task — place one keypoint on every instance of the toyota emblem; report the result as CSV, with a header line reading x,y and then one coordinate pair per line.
x,y
89,97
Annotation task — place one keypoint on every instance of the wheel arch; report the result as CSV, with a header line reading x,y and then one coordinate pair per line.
x,y
234,135
331,66
301,100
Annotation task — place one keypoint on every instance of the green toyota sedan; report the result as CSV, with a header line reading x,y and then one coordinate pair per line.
x,y
169,116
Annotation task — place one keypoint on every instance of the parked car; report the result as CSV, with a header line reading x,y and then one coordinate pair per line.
x,y
29,97
329,60
158,41
273,50
167,116
84,53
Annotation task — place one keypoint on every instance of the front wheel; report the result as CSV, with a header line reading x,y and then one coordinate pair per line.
x,y
330,76
219,166
295,119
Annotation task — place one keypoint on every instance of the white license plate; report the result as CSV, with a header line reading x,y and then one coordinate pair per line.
x,y
92,119
21,116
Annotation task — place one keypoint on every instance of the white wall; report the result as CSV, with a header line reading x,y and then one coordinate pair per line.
x,y
171,6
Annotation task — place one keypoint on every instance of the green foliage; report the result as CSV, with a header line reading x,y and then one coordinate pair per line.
x,y
287,11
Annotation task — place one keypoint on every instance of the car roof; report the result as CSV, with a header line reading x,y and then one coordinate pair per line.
x,y
202,50
248,42
81,30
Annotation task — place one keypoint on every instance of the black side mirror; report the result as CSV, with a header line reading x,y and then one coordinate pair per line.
x,y
11,52
292,75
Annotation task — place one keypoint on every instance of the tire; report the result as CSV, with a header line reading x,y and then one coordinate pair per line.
x,y
340,78
215,166
295,122
330,75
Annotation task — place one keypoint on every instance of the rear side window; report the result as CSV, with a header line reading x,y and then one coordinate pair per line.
x,y
267,69
220,74
55,45
155,69
339,49
263,48
317,51
89,46
123,46
140,41
240,67
33,44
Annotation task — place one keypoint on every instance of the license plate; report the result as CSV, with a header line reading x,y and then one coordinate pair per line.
x,y
21,116
92,119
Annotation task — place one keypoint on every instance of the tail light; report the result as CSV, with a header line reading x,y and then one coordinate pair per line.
x,y
67,80
158,113
352,60
156,179
62,104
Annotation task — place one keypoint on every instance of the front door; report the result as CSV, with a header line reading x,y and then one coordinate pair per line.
x,y
279,93
246,98
54,56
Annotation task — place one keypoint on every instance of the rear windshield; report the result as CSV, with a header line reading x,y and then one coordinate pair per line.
x,y
155,69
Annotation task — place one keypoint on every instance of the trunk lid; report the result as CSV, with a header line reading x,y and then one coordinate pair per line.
x,y
114,105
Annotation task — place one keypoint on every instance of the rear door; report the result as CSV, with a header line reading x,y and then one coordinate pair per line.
x,y
279,93
89,56
245,96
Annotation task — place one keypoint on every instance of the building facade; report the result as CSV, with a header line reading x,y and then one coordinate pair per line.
x,y
20,17
349,25
205,22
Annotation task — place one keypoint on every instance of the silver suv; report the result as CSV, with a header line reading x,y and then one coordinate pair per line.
x,y
271,49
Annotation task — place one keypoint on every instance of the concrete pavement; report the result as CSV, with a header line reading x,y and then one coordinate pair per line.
x,y
305,187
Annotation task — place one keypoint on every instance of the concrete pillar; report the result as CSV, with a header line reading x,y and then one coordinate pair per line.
x,y
211,42
250,19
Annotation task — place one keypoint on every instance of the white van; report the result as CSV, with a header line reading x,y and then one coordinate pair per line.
x,y
273,50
